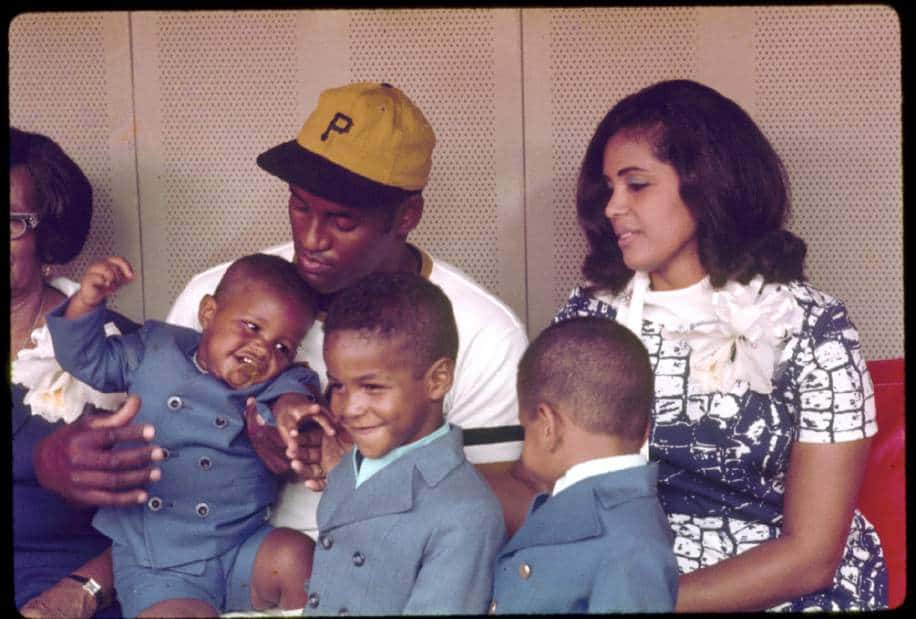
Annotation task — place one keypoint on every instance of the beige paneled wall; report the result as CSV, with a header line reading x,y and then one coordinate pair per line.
x,y
462,68
70,79
167,111
823,83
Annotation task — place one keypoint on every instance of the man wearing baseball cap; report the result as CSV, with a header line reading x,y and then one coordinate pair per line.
x,y
356,172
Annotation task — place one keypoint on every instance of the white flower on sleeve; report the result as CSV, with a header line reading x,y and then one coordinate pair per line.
x,y
53,393
743,342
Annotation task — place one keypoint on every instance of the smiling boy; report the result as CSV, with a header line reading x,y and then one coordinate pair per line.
x,y
406,524
201,543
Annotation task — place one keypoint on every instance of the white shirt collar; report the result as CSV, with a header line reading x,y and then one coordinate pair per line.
x,y
598,466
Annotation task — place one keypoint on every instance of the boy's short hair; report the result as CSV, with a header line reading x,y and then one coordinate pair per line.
x,y
596,370
399,304
272,271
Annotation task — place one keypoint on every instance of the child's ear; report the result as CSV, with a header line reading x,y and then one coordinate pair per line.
x,y
439,378
408,215
206,310
552,426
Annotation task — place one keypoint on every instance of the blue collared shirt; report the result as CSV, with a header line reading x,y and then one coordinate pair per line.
x,y
367,467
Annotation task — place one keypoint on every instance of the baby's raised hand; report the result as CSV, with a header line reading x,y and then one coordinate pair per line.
x,y
101,280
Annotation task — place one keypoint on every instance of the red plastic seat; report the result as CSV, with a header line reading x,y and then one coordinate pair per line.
x,y
883,495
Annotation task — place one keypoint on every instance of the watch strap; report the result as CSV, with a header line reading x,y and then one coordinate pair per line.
x,y
90,586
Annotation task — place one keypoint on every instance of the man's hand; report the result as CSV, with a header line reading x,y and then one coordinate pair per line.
x,y
79,463
272,448
304,446
292,411
65,599
332,450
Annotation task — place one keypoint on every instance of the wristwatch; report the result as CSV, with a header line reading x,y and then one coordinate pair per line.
x,y
91,587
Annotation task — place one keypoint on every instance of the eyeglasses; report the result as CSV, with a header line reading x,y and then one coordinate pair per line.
x,y
20,223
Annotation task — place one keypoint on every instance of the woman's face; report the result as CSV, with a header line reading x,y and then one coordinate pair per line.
x,y
25,268
653,227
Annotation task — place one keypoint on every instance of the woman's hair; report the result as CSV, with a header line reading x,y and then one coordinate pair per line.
x,y
64,195
731,180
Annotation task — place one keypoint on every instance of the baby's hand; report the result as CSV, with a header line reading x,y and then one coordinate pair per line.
x,y
101,280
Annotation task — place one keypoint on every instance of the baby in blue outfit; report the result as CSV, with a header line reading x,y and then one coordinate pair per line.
x,y
599,542
202,544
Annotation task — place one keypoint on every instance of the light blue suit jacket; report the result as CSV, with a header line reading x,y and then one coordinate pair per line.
x,y
214,491
419,536
602,545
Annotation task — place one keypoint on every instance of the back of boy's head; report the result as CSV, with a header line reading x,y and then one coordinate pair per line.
x,y
399,304
594,369
275,273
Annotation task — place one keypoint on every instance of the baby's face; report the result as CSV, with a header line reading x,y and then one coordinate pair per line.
x,y
250,335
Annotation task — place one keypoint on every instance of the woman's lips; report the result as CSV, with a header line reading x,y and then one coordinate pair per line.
x,y
625,238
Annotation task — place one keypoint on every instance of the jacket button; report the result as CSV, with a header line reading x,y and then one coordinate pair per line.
x,y
313,600
174,403
154,504
358,558
205,463
203,510
326,541
220,422
492,609
524,570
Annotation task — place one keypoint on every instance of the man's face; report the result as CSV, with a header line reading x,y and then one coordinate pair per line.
x,y
337,245
250,335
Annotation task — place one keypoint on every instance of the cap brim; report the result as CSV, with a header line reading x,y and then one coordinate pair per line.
x,y
303,168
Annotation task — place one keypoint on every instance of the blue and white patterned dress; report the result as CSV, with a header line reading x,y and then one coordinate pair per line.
x,y
723,455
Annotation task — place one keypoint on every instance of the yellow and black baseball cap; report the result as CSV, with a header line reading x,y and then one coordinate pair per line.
x,y
365,144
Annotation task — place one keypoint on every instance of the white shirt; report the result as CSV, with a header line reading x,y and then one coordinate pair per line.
x,y
491,340
598,466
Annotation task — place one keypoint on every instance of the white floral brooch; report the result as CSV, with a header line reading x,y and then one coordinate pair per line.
x,y
752,324
53,393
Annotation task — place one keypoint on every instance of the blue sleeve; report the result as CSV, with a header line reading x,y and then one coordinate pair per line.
x,y
296,379
457,571
82,349
640,581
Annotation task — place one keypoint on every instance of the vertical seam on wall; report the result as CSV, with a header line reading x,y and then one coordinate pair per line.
x,y
521,68
133,113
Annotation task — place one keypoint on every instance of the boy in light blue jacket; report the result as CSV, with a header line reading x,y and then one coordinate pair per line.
x,y
406,524
599,542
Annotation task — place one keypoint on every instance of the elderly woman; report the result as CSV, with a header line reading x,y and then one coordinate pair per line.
x,y
763,405
61,564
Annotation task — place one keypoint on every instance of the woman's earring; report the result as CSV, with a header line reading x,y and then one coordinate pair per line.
x,y
46,271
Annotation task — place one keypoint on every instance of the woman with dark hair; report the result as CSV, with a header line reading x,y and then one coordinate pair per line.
x,y
61,564
763,405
